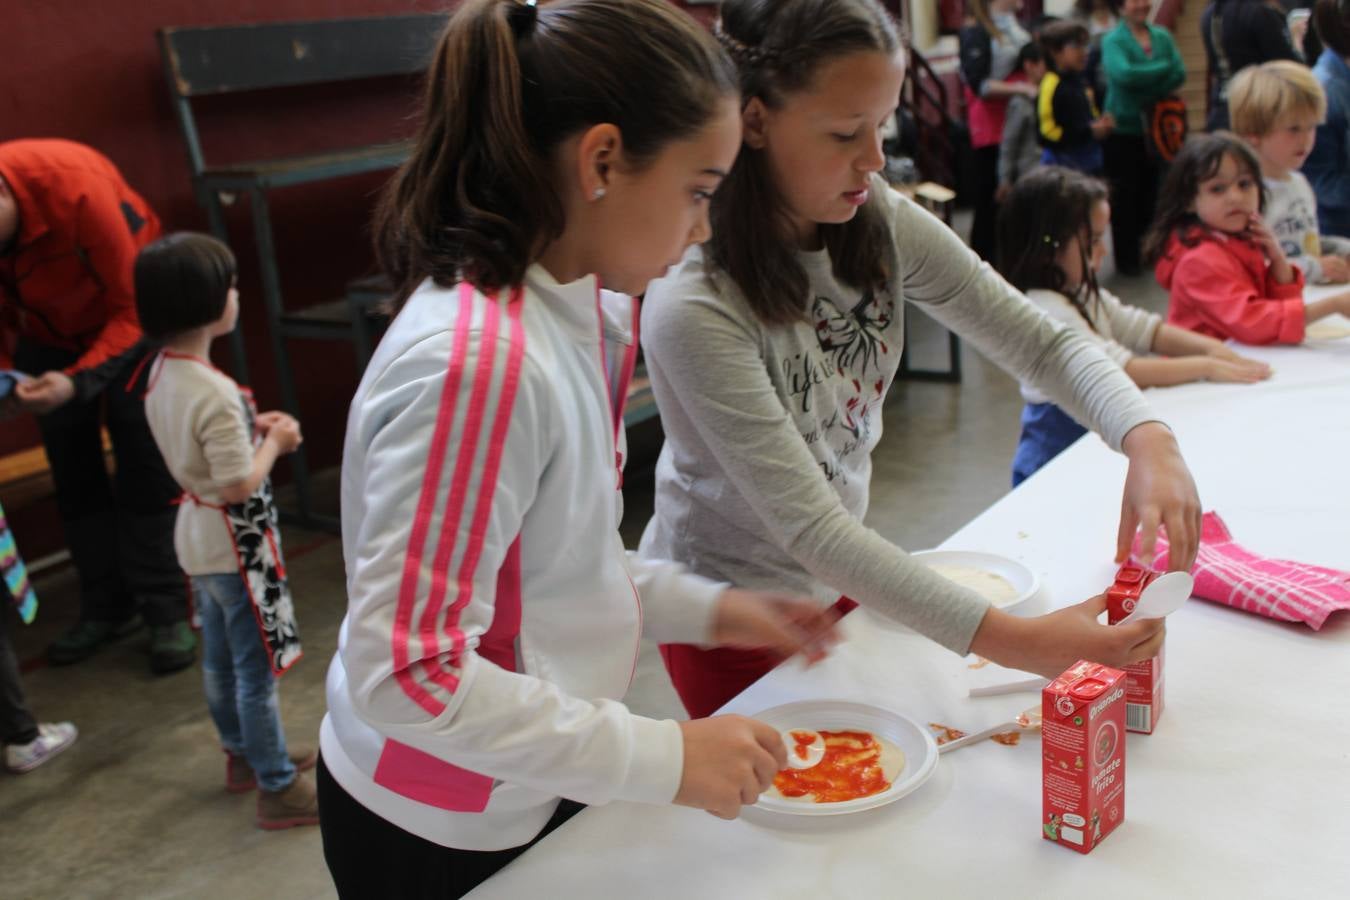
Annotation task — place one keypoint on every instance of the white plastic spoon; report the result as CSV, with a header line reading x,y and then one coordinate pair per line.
x,y
800,753
1028,720
1163,597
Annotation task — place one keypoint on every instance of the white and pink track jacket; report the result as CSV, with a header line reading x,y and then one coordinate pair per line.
x,y
493,615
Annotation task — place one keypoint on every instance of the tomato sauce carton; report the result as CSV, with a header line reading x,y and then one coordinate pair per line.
x,y
1083,756
1144,680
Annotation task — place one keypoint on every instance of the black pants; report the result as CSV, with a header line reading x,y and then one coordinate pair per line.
x,y
120,532
984,228
369,857
17,725
1134,195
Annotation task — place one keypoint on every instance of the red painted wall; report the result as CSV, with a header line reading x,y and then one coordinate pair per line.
x,y
92,73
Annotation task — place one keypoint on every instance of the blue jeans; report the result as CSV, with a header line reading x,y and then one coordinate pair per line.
x,y
1084,158
240,689
1047,431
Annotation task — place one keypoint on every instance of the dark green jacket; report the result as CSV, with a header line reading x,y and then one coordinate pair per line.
x,y
1135,79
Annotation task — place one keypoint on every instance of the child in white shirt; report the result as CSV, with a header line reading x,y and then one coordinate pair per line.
x,y
1276,107
220,451
1051,243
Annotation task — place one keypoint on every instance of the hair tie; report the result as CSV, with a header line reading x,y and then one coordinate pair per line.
x,y
523,17
742,53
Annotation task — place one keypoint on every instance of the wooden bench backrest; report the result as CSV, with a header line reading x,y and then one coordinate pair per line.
x,y
210,60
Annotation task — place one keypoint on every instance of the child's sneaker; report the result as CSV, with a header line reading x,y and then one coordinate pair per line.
x,y
239,777
52,739
295,805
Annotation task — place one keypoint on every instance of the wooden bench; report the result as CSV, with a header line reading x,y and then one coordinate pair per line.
x,y
215,60
210,61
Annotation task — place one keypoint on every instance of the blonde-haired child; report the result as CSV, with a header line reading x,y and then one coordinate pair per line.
x,y
1276,108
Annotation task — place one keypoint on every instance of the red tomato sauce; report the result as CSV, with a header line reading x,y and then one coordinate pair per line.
x,y
850,769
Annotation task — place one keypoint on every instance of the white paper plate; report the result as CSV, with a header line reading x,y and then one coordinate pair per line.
x,y
915,741
1023,580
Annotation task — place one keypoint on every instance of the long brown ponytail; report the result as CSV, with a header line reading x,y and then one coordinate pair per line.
x,y
478,198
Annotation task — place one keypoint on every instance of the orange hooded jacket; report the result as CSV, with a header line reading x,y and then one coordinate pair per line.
x,y
66,277
1221,285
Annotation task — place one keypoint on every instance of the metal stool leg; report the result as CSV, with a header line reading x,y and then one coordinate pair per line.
x,y
271,284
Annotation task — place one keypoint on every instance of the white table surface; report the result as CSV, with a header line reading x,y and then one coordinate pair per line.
x,y
1242,791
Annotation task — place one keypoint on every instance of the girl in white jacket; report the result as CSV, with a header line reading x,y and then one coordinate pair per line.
x,y
493,614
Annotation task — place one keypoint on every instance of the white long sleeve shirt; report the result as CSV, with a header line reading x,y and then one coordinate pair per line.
x,y
1122,331
1291,213
493,615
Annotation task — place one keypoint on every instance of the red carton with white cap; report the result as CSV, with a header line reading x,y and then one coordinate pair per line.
x,y
1144,680
1083,756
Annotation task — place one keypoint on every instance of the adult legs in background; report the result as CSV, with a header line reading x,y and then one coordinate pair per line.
x,y
144,493
71,436
17,725
984,226
1134,193
26,743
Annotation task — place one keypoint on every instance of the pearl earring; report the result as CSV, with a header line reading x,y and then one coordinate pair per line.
x,y
599,192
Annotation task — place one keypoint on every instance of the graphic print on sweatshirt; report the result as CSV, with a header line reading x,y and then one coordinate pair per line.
x,y
1299,219
852,345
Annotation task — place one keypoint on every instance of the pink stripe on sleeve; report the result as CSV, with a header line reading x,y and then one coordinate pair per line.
x,y
478,529
459,490
426,502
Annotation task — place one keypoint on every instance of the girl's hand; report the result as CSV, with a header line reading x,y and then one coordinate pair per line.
x,y
1103,126
728,762
1238,370
1260,234
1263,237
1159,491
46,392
266,421
1049,644
1335,269
285,433
785,625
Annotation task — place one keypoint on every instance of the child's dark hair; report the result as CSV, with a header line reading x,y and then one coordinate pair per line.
x,y
183,281
779,46
1331,20
1198,160
1055,36
1047,208
1031,52
478,198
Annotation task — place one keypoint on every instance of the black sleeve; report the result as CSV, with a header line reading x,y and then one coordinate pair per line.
x,y
1073,112
1271,32
976,56
115,372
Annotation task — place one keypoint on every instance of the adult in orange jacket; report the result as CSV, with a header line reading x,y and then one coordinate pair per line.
x,y
70,229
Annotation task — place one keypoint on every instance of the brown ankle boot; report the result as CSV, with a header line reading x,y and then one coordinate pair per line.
x,y
239,777
291,806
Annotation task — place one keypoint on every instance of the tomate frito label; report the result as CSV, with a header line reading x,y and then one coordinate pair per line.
x,y
851,768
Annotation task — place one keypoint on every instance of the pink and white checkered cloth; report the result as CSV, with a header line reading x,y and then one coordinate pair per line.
x,y
1277,588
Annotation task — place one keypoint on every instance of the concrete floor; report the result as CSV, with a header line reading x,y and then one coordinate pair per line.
x,y
136,808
